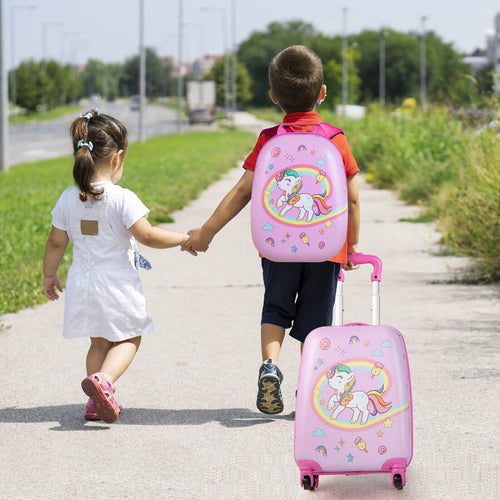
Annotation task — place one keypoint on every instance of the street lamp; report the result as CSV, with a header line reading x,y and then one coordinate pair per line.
x,y
222,10
13,52
383,35
423,78
233,68
344,60
179,67
44,35
4,121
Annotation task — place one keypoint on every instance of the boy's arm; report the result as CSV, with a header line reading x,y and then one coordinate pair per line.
x,y
54,252
230,206
353,219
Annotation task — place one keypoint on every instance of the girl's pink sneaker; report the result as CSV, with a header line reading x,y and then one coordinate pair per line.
x,y
101,392
90,413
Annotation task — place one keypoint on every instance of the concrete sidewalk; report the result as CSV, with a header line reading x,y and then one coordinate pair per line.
x,y
190,429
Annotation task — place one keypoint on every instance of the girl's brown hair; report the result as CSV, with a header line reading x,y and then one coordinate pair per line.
x,y
296,77
95,136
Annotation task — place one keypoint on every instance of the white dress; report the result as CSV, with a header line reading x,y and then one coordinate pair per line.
x,y
103,296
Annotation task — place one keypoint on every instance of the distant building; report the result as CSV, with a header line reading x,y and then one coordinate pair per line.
x,y
203,65
477,60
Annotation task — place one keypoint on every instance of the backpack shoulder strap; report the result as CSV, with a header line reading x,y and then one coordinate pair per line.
x,y
271,131
331,130
328,130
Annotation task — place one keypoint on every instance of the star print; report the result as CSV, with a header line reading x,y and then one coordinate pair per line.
x,y
287,236
337,448
380,434
283,240
271,167
320,361
367,343
316,393
328,223
350,458
341,442
321,231
294,249
322,402
388,423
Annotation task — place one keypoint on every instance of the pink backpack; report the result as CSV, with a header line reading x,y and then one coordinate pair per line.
x,y
299,196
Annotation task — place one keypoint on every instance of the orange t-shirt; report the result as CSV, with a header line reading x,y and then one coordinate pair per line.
x,y
350,165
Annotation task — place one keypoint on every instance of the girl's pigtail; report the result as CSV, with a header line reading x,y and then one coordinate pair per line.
x,y
84,166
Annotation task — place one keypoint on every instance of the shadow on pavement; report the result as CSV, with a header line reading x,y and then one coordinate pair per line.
x,y
70,417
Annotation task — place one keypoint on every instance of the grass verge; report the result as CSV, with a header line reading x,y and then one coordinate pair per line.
x,y
165,172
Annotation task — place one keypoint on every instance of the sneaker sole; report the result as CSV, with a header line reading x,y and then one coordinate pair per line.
x,y
104,408
269,399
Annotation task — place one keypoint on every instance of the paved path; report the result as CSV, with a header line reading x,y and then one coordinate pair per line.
x,y
190,429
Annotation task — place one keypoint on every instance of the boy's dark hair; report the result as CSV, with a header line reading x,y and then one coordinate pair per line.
x,y
296,77
94,136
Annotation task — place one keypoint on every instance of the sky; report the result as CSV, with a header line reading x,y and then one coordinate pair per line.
x,y
108,30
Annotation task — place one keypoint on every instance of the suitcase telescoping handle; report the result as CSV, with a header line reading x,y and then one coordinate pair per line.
x,y
358,259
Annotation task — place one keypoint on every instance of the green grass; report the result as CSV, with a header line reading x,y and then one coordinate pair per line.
x,y
165,172
49,115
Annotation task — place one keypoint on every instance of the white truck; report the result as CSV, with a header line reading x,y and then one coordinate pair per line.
x,y
200,101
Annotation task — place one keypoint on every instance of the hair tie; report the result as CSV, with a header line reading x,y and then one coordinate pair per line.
x,y
89,115
82,143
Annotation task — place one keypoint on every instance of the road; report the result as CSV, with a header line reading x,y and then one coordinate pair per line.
x,y
50,139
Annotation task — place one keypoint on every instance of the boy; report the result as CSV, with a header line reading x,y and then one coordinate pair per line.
x,y
297,295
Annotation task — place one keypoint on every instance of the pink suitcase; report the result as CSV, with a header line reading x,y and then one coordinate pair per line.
x,y
354,407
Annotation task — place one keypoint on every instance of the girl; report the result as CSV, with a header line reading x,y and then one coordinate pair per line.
x,y
104,297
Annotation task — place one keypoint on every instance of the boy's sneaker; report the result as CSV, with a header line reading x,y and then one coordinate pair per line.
x,y
101,391
269,399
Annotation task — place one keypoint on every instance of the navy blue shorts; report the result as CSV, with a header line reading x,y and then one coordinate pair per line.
x,y
300,295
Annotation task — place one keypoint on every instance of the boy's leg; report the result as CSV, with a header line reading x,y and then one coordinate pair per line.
x,y
271,337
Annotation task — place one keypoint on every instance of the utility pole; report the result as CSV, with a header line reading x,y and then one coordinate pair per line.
x,y
4,99
344,60
142,71
179,69
423,66
383,35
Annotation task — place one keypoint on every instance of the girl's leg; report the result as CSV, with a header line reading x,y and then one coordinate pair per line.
x,y
111,358
98,350
119,357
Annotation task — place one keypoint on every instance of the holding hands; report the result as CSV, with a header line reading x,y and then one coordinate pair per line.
x,y
198,241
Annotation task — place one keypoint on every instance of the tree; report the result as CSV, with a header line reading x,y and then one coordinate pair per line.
x,y
257,51
158,73
243,82
29,85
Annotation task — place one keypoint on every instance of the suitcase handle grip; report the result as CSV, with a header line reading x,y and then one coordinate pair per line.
x,y
361,258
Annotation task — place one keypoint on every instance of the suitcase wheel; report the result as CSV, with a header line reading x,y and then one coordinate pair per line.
x,y
398,480
309,484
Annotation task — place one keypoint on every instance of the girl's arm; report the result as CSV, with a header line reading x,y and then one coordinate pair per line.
x,y
156,237
54,252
